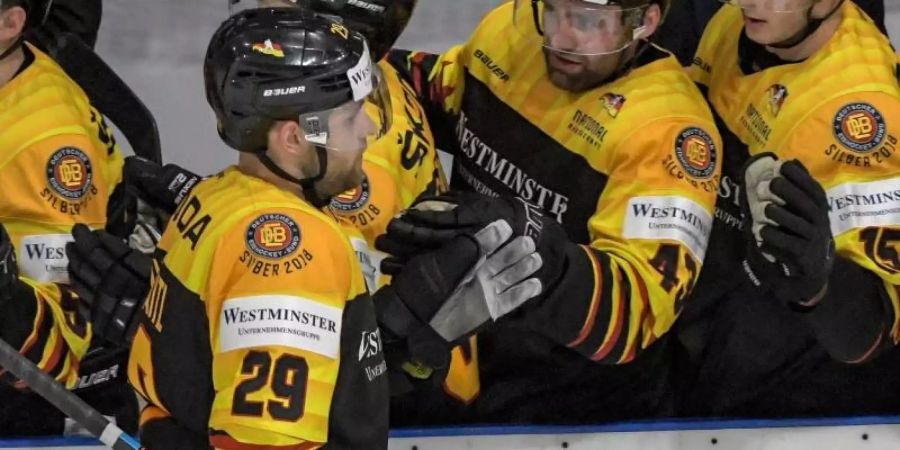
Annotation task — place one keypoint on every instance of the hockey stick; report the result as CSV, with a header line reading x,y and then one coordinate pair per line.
x,y
109,94
67,402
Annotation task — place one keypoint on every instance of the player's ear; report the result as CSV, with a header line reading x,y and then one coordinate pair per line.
x,y
286,135
12,22
650,22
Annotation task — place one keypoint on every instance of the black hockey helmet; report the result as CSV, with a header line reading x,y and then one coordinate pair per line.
x,y
269,64
381,22
37,10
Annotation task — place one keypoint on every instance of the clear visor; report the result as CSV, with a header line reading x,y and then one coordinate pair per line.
x,y
579,27
236,6
352,126
777,6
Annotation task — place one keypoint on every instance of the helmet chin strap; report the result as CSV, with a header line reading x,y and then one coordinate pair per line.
x,y
310,192
12,48
812,25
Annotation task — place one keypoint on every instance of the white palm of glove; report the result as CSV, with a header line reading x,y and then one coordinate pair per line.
x,y
758,180
498,284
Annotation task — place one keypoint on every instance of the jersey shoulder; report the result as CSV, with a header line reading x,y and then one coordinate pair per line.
x,y
43,102
255,237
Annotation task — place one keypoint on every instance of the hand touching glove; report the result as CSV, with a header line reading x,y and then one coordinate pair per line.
x,y
148,195
442,296
434,220
791,248
112,280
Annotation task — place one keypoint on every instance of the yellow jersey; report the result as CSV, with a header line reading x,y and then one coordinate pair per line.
x,y
258,329
838,112
59,162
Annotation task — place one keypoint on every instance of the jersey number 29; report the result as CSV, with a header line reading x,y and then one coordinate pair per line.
x,y
288,383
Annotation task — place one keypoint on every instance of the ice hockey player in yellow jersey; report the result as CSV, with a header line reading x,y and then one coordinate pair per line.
x,y
565,104
59,164
400,166
807,97
258,330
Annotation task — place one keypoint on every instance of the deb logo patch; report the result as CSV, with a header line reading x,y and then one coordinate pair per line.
x,y
353,199
696,152
273,236
859,127
70,173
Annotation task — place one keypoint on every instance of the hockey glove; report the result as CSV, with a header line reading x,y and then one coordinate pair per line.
x,y
9,269
442,296
434,220
163,187
112,280
760,267
793,228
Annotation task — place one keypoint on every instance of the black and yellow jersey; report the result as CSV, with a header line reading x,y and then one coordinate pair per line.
x,y
630,169
838,112
258,329
59,163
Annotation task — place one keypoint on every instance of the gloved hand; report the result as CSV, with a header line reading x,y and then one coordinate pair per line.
x,y
441,297
163,187
433,220
112,280
792,250
9,268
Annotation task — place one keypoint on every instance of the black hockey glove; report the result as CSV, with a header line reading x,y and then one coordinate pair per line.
x,y
792,244
112,280
433,220
9,269
163,187
441,297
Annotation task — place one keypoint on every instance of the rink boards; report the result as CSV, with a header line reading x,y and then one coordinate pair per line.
x,y
859,433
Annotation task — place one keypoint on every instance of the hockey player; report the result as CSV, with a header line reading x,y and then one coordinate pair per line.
x,y
258,330
59,166
682,30
565,104
399,167
808,91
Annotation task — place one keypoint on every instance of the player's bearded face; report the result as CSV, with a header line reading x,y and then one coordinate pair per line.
x,y
346,148
583,49
579,73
